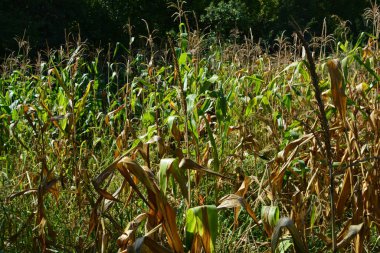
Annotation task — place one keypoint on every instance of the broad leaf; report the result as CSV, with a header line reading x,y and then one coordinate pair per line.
x,y
297,238
337,87
170,166
201,228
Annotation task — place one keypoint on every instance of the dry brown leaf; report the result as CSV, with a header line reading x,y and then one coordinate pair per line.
x,y
156,200
129,231
244,187
345,193
147,245
52,187
107,118
94,216
233,200
337,89
25,192
189,164
108,203
241,192
283,155
176,132
375,121
197,244
160,144
120,140
353,230
105,194
127,166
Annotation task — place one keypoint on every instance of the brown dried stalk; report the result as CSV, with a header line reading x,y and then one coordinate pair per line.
x,y
324,124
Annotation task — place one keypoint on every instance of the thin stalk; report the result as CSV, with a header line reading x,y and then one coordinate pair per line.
x,y
325,127
177,74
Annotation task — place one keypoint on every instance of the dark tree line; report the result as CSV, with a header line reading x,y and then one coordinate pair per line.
x,y
44,22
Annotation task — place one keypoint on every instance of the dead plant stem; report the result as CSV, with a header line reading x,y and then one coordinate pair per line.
x,y
325,127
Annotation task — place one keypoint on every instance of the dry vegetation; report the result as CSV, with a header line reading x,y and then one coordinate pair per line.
x,y
201,147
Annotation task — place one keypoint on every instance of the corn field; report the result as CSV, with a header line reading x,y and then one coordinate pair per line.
x,y
193,147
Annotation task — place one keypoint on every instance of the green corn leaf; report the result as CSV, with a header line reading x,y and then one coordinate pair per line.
x,y
81,103
170,166
201,228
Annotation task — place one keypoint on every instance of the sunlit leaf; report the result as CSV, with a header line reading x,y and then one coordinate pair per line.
x,y
337,87
81,103
201,221
170,166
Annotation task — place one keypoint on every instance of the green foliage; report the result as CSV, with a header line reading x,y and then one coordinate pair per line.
x,y
103,21
225,16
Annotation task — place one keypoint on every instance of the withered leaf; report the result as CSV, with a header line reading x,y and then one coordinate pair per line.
x,y
233,200
337,88
187,163
130,230
297,238
147,245
353,230
345,193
